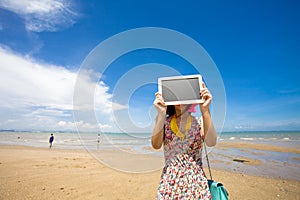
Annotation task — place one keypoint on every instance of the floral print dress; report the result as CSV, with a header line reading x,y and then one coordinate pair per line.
x,y
182,176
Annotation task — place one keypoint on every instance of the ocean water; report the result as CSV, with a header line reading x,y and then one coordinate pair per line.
x,y
73,140
290,139
273,164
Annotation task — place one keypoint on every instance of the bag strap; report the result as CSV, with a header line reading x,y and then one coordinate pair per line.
x,y
204,145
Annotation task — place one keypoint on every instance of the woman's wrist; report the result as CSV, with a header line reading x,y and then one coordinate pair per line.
x,y
205,111
161,113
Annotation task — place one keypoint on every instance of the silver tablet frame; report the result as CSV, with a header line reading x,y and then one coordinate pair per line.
x,y
162,80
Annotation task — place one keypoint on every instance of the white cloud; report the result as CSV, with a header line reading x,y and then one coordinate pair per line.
x,y
25,82
67,125
35,95
42,15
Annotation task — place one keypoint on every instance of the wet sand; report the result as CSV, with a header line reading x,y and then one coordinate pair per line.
x,y
248,145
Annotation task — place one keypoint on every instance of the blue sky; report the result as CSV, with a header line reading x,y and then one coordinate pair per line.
x,y
254,44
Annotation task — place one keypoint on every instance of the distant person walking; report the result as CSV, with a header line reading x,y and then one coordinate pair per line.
x,y
98,141
51,139
98,138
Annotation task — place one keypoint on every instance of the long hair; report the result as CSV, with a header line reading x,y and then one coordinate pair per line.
x,y
170,110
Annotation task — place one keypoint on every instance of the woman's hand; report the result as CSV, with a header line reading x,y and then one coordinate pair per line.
x,y
207,97
159,104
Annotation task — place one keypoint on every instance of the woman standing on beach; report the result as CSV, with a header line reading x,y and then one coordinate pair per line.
x,y
181,135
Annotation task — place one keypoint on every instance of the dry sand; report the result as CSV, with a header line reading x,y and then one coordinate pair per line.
x,y
40,173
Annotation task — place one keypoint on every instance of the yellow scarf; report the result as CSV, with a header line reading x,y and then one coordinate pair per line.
x,y
175,129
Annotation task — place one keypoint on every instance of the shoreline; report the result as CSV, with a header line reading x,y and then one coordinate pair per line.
x,y
41,173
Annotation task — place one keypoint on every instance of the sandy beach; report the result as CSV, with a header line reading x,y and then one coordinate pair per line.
x,y
41,173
